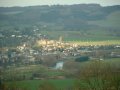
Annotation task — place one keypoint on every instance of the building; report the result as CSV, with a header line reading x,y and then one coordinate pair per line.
x,y
59,65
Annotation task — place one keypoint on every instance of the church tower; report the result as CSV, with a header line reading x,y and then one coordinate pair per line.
x,y
60,39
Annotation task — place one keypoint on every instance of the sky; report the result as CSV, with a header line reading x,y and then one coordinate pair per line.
x,y
10,3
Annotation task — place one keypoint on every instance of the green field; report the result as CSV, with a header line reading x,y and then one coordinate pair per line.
x,y
34,84
82,35
83,38
87,43
63,83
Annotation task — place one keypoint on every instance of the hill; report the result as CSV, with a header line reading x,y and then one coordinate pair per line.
x,y
81,21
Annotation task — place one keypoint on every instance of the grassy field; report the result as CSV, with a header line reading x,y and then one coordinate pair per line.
x,y
63,83
34,84
82,35
87,43
89,37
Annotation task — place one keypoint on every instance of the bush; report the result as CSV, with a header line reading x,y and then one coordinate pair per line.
x,y
98,76
82,59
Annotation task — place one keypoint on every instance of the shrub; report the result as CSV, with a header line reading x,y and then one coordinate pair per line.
x,y
98,76
82,59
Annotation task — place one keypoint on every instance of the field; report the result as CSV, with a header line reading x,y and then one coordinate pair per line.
x,y
34,84
81,35
87,43
67,82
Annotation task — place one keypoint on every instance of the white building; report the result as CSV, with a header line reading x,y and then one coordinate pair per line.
x,y
59,65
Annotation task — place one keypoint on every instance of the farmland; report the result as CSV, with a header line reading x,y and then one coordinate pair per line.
x,y
92,35
62,83
87,43
34,84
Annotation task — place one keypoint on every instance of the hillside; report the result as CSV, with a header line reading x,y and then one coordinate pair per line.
x,y
82,21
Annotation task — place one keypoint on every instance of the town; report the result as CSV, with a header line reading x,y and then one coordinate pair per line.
x,y
37,48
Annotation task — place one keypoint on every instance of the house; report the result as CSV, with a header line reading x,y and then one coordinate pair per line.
x,y
59,65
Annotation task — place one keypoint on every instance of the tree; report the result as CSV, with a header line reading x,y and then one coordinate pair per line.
x,y
82,58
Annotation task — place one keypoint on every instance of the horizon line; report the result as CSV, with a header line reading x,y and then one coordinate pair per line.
x,y
59,5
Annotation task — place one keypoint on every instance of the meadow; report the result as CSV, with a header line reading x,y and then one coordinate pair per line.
x,y
81,35
92,74
104,43
34,84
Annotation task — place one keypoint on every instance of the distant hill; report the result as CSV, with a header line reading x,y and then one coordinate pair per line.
x,y
73,22
67,16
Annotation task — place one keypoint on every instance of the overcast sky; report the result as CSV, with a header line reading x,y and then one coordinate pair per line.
x,y
9,3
